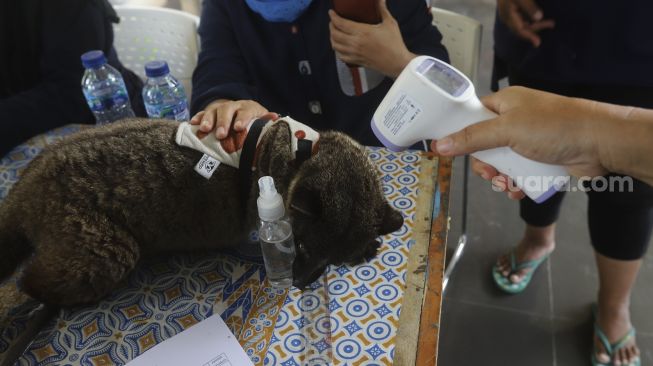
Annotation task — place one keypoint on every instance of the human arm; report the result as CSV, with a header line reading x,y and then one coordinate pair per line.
x,y
221,91
625,140
388,46
524,18
588,138
68,28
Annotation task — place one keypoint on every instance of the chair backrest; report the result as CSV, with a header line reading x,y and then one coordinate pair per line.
x,y
191,6
461,35
152,33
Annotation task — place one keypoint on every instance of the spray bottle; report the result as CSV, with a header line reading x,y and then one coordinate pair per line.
x,y
275,235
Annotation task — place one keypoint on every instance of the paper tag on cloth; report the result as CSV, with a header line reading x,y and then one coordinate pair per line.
x,y
207,166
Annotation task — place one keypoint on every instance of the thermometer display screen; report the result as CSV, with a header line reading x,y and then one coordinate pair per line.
x,y
445,77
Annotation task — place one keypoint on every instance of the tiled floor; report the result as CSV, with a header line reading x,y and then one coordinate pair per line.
x,y
549,324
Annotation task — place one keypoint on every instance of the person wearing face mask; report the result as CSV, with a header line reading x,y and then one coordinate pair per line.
x,y
281,56
41,42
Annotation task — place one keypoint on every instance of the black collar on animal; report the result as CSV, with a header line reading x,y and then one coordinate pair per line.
x,y
249,152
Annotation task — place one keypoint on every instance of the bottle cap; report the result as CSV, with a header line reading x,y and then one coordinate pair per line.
x,y
154,69
270,203
93,59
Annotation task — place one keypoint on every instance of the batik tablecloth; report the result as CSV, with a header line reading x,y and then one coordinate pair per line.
x,y
352,312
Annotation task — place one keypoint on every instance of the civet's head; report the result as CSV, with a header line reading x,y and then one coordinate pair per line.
x,y
334,199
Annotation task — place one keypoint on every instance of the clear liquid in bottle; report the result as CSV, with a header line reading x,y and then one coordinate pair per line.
x,y
278,249
275,235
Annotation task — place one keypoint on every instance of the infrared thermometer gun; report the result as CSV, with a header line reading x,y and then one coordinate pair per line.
x,y
431,100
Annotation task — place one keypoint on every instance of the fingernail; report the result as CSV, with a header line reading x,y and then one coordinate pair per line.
x,y
204,125
538,15
238,125
498,185
220,131
445,146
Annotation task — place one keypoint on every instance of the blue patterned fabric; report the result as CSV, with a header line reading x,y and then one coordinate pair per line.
x,y
162,298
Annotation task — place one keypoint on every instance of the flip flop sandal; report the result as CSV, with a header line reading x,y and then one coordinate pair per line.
x,y
611,348
508,286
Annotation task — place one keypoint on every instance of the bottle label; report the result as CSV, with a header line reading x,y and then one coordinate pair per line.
x,y
104,100
178,112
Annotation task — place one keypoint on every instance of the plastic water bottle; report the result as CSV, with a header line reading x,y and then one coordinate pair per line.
x,y
164,96
275,235
104,89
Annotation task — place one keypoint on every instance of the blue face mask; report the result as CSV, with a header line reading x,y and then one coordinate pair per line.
x,y
279,10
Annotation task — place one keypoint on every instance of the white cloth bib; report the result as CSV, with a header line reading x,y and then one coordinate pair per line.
x,y
227,151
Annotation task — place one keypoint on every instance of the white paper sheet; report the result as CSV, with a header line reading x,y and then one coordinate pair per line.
x,y
208,343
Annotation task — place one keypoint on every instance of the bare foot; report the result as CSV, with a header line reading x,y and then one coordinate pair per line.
x,y
615,323
533,245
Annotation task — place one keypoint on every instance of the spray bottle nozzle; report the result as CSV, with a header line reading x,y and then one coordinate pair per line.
x,y
270,203
266,187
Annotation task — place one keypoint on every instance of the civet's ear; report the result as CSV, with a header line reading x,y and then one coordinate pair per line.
x,y
275,155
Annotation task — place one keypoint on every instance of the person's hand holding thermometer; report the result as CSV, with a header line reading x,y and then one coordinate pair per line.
x,y
588,138
431,100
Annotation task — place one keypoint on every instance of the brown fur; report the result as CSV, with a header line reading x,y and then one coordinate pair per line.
x,y
90,207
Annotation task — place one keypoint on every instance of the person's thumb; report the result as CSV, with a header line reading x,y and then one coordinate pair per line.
x,y
531,8
477,137
383,11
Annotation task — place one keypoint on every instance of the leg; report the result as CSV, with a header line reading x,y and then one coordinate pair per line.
x,y
539,236
14,248
82,266
11,298
620,228
616,280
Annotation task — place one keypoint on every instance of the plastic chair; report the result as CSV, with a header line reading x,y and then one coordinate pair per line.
x,y
461,35
152,33
191,6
